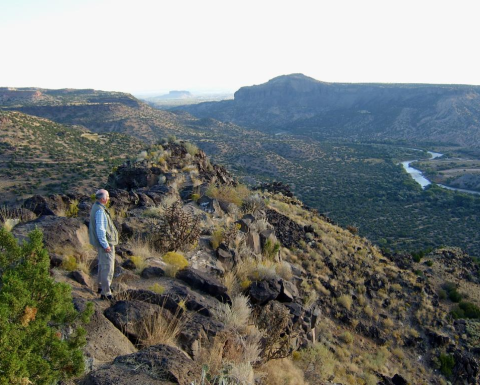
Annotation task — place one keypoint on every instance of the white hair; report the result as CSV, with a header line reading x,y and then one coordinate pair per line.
x,y
101,194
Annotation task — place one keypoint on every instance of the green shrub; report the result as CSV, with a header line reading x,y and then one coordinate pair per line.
x,y
442,294
451,291
447,362
70,263
72,211
345,300
191,148
466,310
139,262
270,249
35,313
346,337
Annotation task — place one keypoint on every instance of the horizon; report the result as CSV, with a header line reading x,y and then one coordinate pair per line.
x,y
153,47
206,91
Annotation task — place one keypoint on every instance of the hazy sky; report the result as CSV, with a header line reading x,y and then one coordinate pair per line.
x,y
140,46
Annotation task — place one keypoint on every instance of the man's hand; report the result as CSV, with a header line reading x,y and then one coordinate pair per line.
x,y
108,249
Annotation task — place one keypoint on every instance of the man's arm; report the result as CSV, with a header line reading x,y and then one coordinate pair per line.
x,y
101,229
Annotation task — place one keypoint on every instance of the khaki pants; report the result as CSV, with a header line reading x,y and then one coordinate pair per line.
x,y
106,266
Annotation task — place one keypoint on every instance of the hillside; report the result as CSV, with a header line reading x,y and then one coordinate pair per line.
x,y
259,289
99,111
44,157
415,113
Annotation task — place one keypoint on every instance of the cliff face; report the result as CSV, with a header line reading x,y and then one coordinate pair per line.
x,y
299,104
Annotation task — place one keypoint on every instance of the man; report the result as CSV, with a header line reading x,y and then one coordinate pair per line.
x,y
104,236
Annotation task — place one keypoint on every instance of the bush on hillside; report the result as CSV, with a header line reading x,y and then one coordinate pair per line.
x,y
36,314
176,229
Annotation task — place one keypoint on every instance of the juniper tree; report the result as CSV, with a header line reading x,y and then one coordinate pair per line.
x,y
39,341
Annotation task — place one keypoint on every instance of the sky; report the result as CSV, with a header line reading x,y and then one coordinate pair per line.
x,y
153,46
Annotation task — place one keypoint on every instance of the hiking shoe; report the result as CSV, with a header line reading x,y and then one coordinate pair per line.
x,y
105,297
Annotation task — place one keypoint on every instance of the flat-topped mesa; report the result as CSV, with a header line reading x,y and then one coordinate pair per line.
x,y
46,97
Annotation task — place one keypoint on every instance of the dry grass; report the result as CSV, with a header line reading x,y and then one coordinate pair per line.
x,y
345,300
162,328
235,317
282,372
284,270
229,194
142,248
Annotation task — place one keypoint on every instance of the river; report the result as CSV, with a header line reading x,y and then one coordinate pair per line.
x,y
417,175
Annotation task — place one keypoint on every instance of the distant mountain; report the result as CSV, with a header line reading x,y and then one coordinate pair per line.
x,y
302,105
99,111
176,95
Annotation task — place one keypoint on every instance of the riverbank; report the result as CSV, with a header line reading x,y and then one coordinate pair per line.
x,y
420,178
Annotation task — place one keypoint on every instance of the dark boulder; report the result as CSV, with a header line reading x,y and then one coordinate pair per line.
x,y
262,292
466,369
145,200
226,257
152,272
130,316
197,329
51,205
288,232
288,292
203,282
81,277
437,339
176,293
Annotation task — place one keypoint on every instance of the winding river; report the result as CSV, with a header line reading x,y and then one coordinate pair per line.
x,y
417,175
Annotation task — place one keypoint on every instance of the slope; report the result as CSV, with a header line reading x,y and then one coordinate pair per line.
x,y
38,155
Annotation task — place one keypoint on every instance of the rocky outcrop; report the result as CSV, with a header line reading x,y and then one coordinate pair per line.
x,y
288,232
133,176
58,232
159,364
104,341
